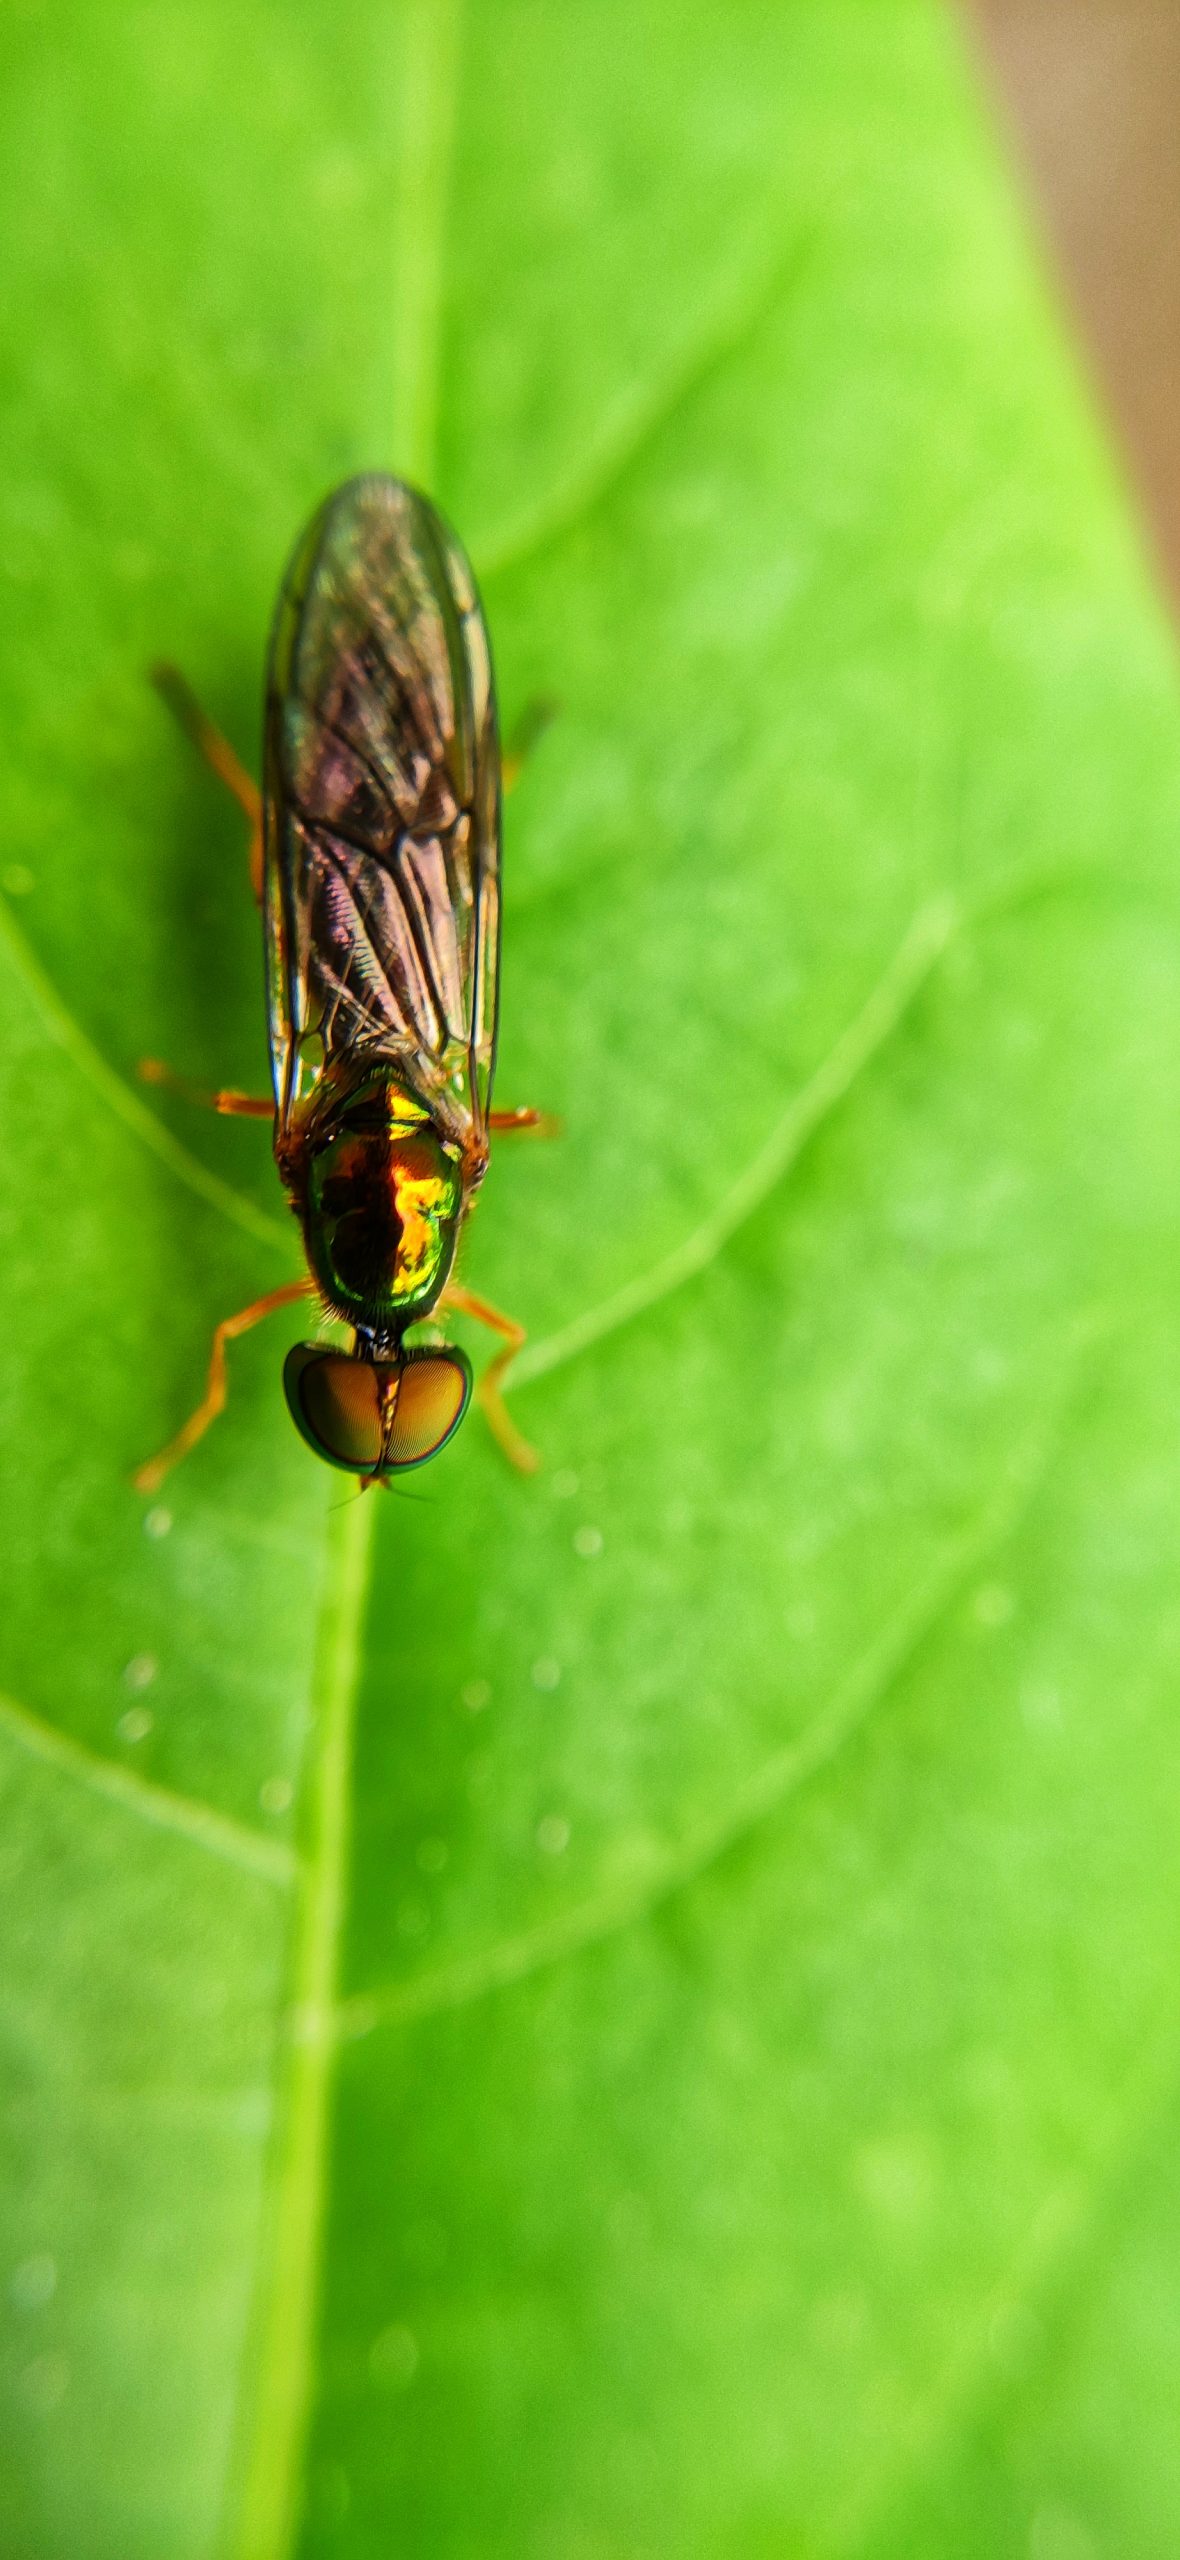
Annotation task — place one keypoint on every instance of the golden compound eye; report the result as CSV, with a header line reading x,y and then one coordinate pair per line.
x,y
345,1406
430,1403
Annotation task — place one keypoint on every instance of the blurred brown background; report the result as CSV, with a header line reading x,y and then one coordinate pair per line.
x,y
1090,90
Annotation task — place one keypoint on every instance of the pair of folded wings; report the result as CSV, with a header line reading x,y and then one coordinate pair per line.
x,y
382,810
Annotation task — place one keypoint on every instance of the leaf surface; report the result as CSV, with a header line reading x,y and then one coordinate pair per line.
x,y
631,2013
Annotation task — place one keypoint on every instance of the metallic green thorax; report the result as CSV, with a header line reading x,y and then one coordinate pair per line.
x,y
381,1207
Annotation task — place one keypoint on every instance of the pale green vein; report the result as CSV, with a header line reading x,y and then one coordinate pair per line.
x,y
882,1013
126,1105
270,2492
1050,2256
766,1792
184,1816
268,2508
429,83
235,2114
914,2436
638,415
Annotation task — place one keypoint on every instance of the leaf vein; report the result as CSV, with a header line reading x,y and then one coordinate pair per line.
x,y
765,1793
640,412
67,1032
882,1013
1051,2258
185,1816
280,2393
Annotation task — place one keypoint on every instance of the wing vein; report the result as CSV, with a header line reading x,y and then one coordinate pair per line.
x,y
334,729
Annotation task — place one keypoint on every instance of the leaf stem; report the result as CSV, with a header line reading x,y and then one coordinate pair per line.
x,y
271,2487
429,85
269,2505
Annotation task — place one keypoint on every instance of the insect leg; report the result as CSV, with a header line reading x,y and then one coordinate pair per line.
x,y
148,1478
512,1441
218,753
527,1121
518,746
236,1106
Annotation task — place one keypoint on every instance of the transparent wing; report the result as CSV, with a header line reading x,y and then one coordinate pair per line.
x,y
382,815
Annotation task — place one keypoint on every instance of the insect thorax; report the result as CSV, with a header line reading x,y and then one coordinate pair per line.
x,y
381,1196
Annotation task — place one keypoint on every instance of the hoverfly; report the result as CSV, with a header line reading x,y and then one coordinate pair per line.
x,y
375,857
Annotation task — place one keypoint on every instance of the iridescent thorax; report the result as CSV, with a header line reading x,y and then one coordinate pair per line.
x,y
382,1201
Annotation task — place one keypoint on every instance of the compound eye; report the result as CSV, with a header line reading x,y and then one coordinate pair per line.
x,y
431,1403
376,1415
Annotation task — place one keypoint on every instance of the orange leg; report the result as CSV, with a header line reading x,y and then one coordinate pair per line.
x,y
540,1124
532,724
512,1441
218,753
149,1478
237,1106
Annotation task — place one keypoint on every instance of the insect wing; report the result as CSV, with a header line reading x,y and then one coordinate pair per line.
x,y
382,814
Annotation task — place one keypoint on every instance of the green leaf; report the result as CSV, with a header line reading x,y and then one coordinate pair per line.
x,y
633,2014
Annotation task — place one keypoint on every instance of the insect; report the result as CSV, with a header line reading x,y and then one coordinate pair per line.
x,y
375,857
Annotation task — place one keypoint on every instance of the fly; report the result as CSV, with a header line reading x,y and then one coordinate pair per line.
x,y
375,857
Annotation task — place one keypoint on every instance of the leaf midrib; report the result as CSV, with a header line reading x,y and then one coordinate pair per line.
x,y
265,2518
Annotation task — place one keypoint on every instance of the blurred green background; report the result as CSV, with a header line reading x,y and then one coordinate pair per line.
x,y
628,2016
